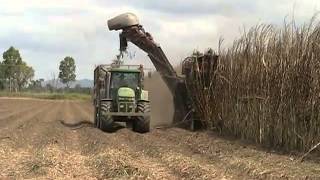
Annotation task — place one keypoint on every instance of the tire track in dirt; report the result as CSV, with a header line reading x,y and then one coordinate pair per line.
x,y
12,127
15,104
62,150
55,153
236,157
42,129
31,142
3,111
44,148
111,158
7,119
20,146
195,157
26,137
13,110
5,103
68,162
20,118
179,159
168,165
87,106
180,165
85,113
188,140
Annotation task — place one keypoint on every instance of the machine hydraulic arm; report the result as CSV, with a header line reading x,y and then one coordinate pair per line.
x,y
144,40
132,31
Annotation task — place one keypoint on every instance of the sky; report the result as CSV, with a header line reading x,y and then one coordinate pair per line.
x,y
46,31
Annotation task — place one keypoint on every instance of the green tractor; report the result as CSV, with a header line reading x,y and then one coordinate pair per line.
x,y
119,97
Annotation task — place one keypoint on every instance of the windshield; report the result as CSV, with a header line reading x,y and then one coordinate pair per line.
x,y
124,79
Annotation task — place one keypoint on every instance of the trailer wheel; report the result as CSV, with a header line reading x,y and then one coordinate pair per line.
x,y
105,120
142,123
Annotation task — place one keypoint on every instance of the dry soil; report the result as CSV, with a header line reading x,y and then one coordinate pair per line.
x,y
34,144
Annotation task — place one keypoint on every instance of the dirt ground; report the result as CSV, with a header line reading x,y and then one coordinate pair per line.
x,y
34,144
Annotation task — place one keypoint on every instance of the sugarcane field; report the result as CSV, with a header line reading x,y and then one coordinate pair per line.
x,y
160,89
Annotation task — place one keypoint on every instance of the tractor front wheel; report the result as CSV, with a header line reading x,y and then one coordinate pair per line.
x,y
142,123
105,121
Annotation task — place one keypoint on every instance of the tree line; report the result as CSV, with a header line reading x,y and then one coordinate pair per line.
x,y
16,75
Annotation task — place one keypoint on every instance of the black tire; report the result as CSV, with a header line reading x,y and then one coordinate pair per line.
x,y
105,120
142,123
129,124
96,117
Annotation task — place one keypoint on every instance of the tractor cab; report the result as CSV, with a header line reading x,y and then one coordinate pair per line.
x,y
125,89
123,82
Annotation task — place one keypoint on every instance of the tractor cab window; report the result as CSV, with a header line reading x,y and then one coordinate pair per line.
x,y
125,79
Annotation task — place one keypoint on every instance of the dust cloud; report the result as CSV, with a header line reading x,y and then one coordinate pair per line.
x,y
161,101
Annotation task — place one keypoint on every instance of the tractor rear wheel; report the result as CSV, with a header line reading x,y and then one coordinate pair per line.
x,y
142,123
105,121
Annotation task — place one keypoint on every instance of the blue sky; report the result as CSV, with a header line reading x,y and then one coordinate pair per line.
x,y
46,31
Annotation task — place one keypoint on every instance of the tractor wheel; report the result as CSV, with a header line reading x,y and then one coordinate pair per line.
x,y
96,118
129,124
105,120
142,123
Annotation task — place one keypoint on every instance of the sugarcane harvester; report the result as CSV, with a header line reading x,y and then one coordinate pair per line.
x,y
132,31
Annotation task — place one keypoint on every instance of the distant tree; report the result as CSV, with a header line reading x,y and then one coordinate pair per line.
x,y
49,87
36,85
77,87
2,78
11,58
24,74
67,71
54,81
15,70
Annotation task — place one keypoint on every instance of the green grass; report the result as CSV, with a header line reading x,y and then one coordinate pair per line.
x,y
44,95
